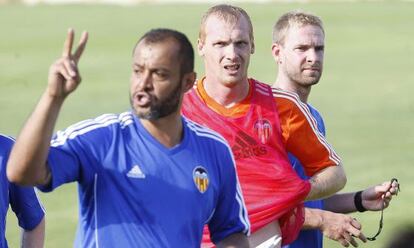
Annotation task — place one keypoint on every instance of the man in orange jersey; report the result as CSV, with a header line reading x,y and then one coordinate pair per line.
x,y
260,123
298,49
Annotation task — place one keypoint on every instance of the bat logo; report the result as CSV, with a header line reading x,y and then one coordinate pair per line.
x,y
201,180
263,130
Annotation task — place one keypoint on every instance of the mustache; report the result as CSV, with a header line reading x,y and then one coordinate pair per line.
x,y
316,66
142,93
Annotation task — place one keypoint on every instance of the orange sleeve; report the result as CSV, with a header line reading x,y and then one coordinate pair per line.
x,y
301,136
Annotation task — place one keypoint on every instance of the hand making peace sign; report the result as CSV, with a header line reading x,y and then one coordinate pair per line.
x,y
64,75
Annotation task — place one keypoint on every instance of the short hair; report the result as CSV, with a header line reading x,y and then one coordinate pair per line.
x,y
295,18
185,52
228,13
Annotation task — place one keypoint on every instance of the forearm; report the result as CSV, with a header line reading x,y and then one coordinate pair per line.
x,y
327,182
238,240
34,238
27,161
340,203
373,198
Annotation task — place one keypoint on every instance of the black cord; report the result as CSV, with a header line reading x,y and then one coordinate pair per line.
x,y
381,222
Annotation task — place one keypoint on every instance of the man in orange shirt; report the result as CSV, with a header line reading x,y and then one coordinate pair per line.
x,y
298,49
260,123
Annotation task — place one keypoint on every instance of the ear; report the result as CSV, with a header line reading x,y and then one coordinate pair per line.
x,y
276,49
200,47
188,81
253,48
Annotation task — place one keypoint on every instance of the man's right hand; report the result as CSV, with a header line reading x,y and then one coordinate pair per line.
x,y
27,164
64,75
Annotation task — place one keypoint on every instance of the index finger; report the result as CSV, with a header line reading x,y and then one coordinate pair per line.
x,y
355,224
67,47
382,188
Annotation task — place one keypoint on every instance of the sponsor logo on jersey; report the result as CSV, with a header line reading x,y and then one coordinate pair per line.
x,y
246,147
135,172
201,180
263,130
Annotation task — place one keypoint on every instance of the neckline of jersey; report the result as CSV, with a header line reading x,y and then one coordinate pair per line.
x,y
142,131
238,110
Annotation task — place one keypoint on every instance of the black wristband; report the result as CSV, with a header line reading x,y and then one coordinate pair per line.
x,y
358,202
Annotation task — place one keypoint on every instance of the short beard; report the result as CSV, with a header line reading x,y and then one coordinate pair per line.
x,y
163,108
309,81
304,80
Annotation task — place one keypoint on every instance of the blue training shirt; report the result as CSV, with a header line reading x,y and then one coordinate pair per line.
x,y
135,192
308,238
23,200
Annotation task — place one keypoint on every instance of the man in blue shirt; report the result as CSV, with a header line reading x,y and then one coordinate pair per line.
x,y
147,177
298,49
24,203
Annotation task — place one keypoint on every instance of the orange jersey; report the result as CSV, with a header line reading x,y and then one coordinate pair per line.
x,y
271,188
299,129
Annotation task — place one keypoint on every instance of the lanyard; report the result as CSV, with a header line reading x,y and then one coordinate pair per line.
x,y
381,222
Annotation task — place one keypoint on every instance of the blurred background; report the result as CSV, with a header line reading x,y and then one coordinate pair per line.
x,y
365,93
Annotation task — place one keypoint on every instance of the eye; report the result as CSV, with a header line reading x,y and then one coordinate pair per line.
x,y
219,44
160,75
301,48
320,48
241,43
137,71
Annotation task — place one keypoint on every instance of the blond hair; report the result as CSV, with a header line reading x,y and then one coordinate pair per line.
x,y
228,13
295,18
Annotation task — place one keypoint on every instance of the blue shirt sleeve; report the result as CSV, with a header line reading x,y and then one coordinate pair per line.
x,y
75,153
230,215
318,118
23,200
63,166
26,205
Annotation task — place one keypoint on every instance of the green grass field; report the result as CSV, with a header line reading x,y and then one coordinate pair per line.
x,y
364,95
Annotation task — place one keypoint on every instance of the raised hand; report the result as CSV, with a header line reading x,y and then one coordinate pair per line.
x,y
374,198
64,74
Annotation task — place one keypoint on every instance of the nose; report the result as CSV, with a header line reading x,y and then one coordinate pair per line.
x,y
231,52
144,81
313,56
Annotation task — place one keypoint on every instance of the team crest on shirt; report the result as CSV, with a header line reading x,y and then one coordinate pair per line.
x,y
263,130
200,177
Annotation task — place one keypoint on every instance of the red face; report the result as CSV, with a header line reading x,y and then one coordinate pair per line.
x,y
226,50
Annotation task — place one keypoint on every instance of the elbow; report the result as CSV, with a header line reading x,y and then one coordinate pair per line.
x,y
343,182
340,178
13,174
17,175
327,182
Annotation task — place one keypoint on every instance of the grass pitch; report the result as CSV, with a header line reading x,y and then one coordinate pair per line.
x,y
364,94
